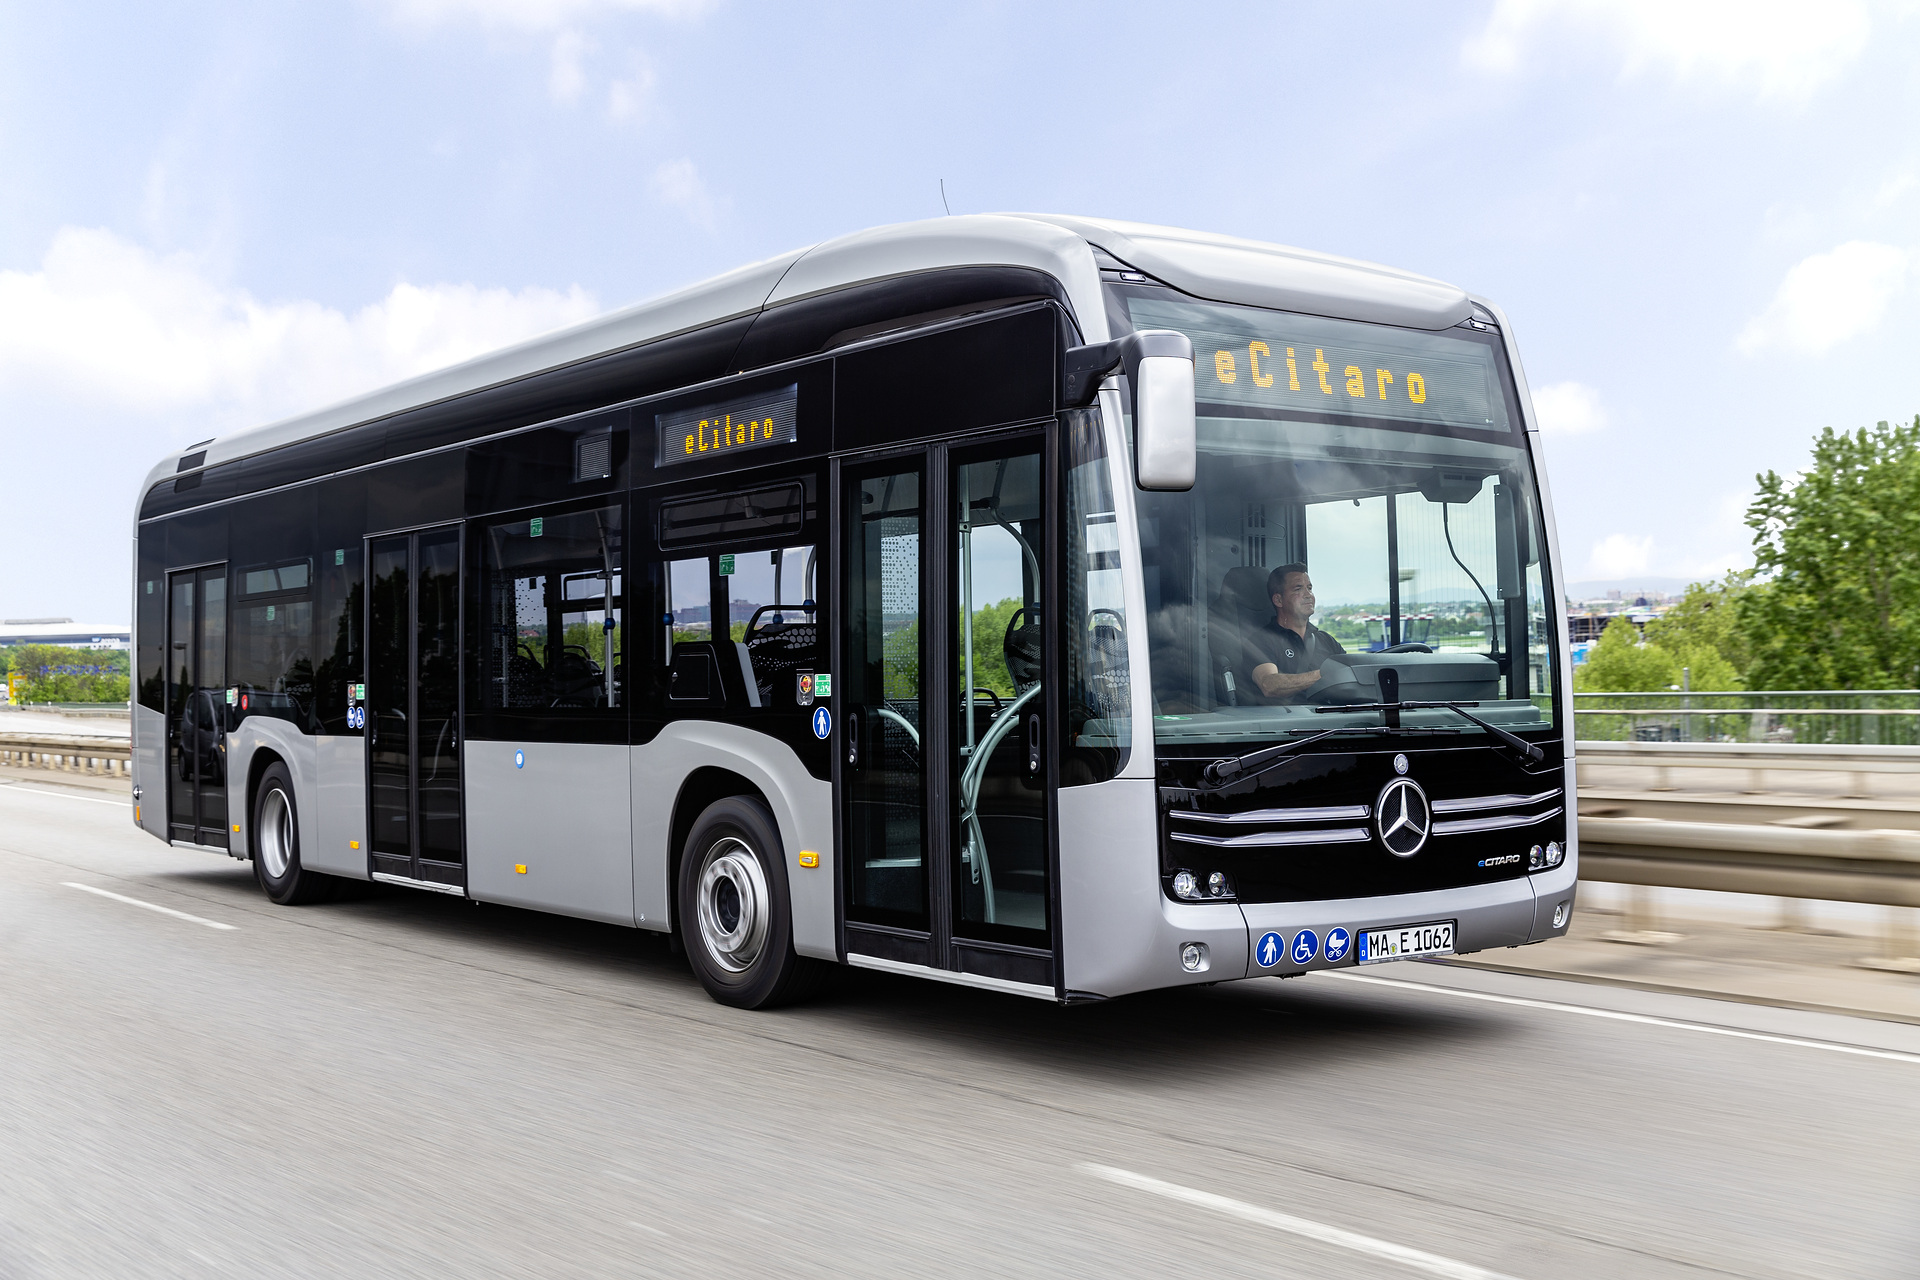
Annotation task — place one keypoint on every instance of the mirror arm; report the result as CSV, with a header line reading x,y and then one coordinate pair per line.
x,y
1085,368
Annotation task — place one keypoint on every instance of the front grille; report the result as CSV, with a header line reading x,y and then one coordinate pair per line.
x,y
1305,831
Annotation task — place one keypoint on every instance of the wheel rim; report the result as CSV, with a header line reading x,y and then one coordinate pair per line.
x,y
734,907
276,834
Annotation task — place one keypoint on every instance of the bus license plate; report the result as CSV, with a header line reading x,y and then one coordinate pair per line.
x,y
1406,942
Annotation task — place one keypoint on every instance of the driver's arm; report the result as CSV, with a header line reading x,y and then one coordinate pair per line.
x,y
1273,683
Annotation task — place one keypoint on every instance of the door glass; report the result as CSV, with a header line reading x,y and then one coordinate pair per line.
x,y
775,619
999,739
388,622
437,693
885,774
180,685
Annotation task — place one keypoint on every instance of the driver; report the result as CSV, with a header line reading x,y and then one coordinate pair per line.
x,y
1284,656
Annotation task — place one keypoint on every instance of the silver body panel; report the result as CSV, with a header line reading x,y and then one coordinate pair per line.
x,y
149,768
802,808
341,846
296,750
566,816
1119,931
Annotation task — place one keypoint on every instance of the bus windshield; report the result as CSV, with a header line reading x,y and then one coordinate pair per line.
x,y
1375,480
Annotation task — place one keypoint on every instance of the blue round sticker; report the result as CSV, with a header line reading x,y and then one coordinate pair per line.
x,y
519,759
1338,940
1268,950
1306,945
822,722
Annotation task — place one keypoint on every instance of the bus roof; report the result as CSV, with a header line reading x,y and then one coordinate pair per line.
x,y
1221,268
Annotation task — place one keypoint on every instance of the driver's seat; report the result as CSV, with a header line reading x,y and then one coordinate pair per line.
x,y
1241,608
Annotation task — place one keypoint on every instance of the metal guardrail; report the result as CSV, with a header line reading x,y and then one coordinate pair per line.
x,y
101,755
1860,717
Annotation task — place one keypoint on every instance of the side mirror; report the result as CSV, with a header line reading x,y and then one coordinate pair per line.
x,y
1159,368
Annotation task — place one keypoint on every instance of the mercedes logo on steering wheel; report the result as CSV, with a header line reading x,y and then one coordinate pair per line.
x,y
1402,817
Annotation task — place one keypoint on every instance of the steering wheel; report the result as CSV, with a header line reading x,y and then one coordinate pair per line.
x,y
1409,646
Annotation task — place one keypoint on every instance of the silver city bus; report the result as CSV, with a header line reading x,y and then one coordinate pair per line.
x,y
932,600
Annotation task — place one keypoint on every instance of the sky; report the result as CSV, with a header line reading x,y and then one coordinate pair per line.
x,y
1701,216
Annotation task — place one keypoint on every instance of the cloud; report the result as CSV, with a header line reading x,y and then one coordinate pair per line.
x,y
1828,298
1619,555
628,99
534,15
107,321
1568,408
567,78
679,184
1783,48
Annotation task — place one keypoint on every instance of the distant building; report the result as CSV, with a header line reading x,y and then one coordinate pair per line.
x,y
64,632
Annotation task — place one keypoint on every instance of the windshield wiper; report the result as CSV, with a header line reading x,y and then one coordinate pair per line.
x,y
1527,749
1228,770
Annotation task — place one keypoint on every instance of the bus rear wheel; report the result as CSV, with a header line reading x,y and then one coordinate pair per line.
x,y
276,844
736,917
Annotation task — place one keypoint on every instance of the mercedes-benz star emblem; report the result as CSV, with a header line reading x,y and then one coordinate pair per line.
x,y
1402,817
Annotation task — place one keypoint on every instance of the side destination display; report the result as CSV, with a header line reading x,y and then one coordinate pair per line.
x,y
749,422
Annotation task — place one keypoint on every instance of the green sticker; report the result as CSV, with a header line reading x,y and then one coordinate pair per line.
x,y
726,566
533,527
269,613
822,685
340,556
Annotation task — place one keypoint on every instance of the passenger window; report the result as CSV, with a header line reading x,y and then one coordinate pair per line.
x,y
552,601
692,675
773,615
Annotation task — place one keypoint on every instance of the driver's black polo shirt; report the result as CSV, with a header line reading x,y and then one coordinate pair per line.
x,y
1291,652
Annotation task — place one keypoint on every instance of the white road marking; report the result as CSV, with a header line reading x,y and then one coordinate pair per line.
x,y
1644,1019
1419,1260
151,906
644,1227
61,795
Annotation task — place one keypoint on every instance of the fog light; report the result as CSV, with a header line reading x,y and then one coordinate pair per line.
x,y
1185,886
1555,854
1560,914
1217,884
1193,957
1536,859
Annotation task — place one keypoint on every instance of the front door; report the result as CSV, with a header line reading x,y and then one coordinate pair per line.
x,y
413,708
943,760
197,711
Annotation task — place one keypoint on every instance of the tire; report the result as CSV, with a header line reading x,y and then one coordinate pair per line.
x,y
736,916
276,844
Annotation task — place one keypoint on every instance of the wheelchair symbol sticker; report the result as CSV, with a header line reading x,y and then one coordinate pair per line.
x,y
1306,945
822,722
1267,950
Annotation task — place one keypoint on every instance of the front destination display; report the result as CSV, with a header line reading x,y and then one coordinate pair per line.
x,y
1056,606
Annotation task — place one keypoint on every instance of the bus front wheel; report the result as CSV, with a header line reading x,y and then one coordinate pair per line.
x,y
736,918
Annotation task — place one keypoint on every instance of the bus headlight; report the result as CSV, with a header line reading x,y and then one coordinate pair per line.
x,y
1536,858
1217,886
1193,957
1185,886
1555,854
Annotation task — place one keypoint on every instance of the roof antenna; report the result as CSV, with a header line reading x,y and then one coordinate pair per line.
x,y
943,198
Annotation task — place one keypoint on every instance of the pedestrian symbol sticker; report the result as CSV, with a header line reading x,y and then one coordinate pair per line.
x,y
1338,940
1306,945
1267,950
822,722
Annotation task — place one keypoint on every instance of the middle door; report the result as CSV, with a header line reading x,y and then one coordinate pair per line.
x,y
944,762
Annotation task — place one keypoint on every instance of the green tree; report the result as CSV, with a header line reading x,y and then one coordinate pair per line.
x,y
1703,634
1619,663
1840,549
57,674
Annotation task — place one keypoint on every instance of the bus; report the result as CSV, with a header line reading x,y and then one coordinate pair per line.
x,y
907,602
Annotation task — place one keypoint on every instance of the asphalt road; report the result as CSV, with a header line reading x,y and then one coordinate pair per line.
x,y
409,1085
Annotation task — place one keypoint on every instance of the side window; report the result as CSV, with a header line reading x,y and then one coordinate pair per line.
x,y
339,640
272,662
772,613
552,592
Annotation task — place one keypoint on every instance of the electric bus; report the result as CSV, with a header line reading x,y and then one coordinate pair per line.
x,y
894,603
